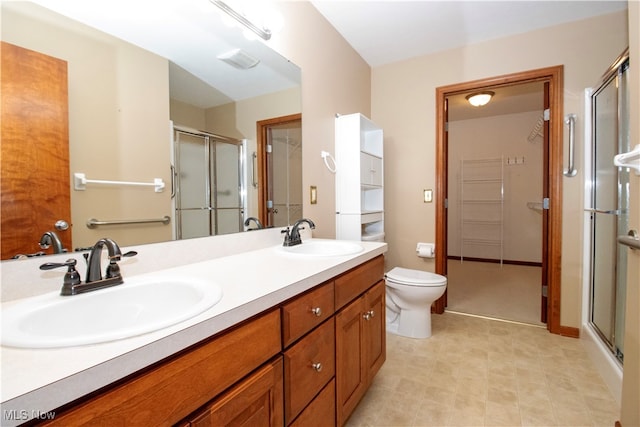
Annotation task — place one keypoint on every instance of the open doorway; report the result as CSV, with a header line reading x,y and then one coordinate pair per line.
x,y
552,77
496,165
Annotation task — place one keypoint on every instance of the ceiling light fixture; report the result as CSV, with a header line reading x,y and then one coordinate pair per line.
x,y
264,33
480,98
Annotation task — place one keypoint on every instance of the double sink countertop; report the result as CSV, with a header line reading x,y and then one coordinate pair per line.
x,y
35,381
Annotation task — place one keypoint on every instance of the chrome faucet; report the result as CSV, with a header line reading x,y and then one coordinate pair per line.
x,y
293,238
254,219
73,285
51,238
94,272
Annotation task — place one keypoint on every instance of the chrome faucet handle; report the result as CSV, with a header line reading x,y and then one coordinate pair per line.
x,y
71,278
113,269
287,237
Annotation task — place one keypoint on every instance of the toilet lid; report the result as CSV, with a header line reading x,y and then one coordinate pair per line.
x,y
409,277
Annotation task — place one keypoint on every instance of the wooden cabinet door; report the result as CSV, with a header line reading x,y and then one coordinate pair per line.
x,y
255,402
375,330
351,378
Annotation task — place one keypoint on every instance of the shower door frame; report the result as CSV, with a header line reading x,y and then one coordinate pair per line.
x,y
210,158
612,76
555,77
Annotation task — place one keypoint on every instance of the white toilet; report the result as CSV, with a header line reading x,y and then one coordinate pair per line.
x,y
410,294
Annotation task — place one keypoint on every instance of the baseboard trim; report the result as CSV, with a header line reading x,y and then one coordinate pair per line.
x,y
497,261
569,331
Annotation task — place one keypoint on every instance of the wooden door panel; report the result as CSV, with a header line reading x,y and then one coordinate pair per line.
x,y
375,337
351,381
35,179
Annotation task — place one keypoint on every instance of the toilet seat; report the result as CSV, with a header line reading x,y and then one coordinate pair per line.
x,y
408,277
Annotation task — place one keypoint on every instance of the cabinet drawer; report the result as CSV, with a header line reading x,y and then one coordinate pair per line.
x,y
356,281
322,411
308,366
306,312
171,391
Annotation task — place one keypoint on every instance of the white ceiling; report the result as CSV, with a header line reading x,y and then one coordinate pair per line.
x,y
384,32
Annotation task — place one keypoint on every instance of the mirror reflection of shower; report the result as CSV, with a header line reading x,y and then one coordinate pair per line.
x,y
284,173
207,186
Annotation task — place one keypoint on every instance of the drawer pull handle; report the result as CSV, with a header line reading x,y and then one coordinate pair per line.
x,y
369,315
317,366
317,311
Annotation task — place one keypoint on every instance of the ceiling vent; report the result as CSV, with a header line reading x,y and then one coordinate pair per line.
x,y
239,59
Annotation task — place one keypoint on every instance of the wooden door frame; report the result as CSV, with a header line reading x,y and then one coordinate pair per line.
x,y
555,76
263,127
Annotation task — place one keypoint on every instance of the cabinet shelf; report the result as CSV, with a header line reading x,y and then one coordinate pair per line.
x,y
481,206
360,186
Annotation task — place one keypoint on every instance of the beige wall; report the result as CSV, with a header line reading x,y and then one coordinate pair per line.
x,y
335,79
410,130
630,415
503,136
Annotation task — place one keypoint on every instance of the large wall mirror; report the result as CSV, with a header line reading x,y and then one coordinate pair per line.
x,y
138,74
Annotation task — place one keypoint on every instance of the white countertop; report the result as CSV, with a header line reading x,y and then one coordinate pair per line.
x,y
38,381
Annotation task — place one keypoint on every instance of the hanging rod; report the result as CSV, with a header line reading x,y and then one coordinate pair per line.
x,y
80,182
93,223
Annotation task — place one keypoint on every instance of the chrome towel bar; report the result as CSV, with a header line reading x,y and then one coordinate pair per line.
x,y
93,223
80,182
632,240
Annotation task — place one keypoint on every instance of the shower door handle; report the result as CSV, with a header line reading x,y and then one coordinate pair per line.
x,y
570,120
604,211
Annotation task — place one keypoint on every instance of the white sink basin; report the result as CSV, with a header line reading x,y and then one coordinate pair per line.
x,y
322,248
136,307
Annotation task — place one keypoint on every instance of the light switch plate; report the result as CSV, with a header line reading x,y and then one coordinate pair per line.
x,y
313,194
428,196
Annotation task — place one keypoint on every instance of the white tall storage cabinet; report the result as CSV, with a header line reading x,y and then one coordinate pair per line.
x,y
359,179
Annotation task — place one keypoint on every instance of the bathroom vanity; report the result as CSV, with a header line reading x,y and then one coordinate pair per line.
x,y
295,340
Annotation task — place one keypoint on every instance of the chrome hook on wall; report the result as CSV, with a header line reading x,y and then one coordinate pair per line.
x,y
570,120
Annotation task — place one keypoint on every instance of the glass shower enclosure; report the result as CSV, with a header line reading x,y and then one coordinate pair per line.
x,y
208,185
609,205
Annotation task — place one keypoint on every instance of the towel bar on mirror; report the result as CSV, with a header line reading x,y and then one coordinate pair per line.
x,y
80,182
93,223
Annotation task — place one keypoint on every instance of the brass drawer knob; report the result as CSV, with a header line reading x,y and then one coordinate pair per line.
x,y
317,366
317,311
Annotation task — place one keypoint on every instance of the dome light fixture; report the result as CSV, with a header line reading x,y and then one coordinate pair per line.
x,y
479,99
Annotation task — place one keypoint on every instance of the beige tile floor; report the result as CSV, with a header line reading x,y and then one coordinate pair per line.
x,y
482,372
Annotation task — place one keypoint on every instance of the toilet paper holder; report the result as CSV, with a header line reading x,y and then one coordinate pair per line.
x,y
425,250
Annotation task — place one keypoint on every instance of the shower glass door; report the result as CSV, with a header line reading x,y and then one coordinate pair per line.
x,y
208,185
609,208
